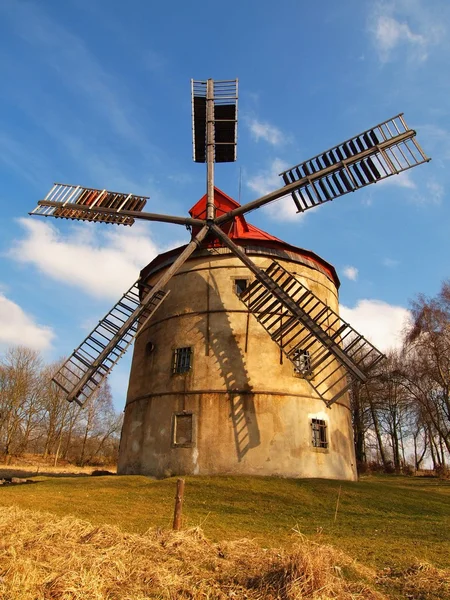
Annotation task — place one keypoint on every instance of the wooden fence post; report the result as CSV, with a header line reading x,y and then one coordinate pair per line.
x,y
178,505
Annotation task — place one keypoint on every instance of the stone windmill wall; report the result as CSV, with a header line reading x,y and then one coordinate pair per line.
x,y
211,393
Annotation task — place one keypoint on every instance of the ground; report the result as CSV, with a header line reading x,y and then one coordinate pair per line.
x,y
390,525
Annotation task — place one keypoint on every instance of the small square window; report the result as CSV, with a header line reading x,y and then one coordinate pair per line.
x,y
182,360
319,433
240,285
183,429
302,362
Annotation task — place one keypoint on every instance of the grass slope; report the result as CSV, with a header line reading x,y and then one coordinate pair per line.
x,y
46,558
381,521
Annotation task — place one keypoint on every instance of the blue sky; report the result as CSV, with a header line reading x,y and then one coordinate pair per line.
x,y
98,94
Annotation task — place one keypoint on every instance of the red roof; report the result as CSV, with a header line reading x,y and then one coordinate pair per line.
x,y
243,234
237,229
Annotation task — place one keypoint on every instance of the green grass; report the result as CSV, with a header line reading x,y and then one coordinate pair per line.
x,y
382,521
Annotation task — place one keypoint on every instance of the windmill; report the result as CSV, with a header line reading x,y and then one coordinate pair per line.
x,y
283,297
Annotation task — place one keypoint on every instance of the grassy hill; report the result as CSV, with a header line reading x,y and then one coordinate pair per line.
x,y
382,521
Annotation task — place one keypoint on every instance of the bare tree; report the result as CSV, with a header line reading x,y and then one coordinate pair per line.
x,y
35,416
427,377
20,395
100,423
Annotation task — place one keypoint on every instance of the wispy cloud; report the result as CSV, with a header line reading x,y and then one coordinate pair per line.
x,y
435,192
265,131
429,193
398,25
269,180
381,323
101,262
20,158
77,69
152,60
350,272
391,263
390,33
402,180
16,327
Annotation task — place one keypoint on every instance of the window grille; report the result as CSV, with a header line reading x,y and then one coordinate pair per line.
x,y
319,433
183,429
240,285
182,360
302,362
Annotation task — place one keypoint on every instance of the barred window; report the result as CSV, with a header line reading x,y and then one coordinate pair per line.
x,y
183,429
319,433
302,362
240,285
182,360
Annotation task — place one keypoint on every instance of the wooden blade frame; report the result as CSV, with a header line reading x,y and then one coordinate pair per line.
x,y
287,329
331,344
78,203
85,370
215,106
380,152
387,149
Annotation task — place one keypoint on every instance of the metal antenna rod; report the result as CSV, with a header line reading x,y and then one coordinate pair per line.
x,y
210,207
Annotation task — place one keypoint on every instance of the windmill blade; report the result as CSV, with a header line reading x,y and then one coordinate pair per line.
x,y
297,319
223,119
89,364
289,331
93,360
81,203
387,149
87,204
380,152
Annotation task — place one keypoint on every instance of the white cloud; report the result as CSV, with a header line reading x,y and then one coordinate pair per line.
x,y
402,180
389,33
381,323
264,131
101,262
351,273
18,328
269,180
404,24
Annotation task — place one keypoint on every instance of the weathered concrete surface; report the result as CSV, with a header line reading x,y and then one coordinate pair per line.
x,y
252,414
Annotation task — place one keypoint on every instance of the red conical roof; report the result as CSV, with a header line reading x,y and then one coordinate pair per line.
x,y
256,241
237,228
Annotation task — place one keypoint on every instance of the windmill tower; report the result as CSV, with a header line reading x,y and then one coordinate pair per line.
x,y
241,362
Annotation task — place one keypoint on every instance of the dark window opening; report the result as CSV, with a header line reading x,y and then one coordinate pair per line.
x,y
240,285
182,360
302,362
183,429
319,433
149,348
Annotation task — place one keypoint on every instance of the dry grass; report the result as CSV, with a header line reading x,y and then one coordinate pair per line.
x,y
421,581
31,465
45,558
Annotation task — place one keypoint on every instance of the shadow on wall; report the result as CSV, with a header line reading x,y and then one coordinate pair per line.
x,y
221,341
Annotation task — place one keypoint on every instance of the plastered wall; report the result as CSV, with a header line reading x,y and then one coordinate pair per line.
x,y
250,413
